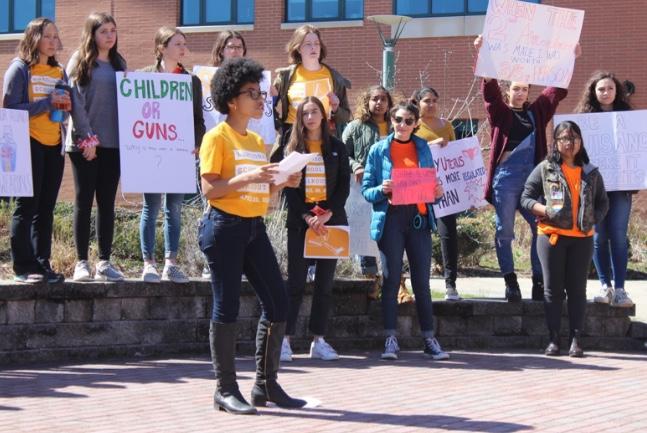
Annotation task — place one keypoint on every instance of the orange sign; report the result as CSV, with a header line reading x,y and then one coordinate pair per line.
x,y
335,244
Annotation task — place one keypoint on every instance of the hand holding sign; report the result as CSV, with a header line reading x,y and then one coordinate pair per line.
x,y
334,244
414,185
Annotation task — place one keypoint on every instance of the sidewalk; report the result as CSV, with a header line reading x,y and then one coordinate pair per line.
x,y
472,392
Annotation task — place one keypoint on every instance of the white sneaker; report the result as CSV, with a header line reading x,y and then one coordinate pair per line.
x,y
391,348
310,277
206,272
286,351
605,296
451,294
150,274
319,349
105,271
82,271
174,273
621,299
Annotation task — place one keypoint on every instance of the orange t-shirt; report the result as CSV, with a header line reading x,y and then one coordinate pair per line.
x,y
573,177
404,155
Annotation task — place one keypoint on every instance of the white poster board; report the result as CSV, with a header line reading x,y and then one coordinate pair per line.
x,y
263,126
462,174
529,43
156,132
15,154
616,142
358,211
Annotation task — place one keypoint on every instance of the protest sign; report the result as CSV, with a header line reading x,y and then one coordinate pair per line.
x,y
616,143
156,132
335,244
529,43
15,154
413,185
263,126
462,174
358,211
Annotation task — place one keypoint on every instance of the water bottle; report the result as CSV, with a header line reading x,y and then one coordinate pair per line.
x,y
8,151
58,113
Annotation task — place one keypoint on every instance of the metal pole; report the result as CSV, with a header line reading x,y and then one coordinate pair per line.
x,y
388,67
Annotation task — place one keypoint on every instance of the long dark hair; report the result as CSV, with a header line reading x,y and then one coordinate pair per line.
x,y
88,51
297,141
581,157
417,95
505,86
589,102
361,105
28,46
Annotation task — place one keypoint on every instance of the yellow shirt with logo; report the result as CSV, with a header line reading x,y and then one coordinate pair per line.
x,y
428,134
43,80
315,174
309,83
227,153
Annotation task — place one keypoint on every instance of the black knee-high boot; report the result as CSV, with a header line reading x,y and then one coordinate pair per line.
x,y
269,337
222,339
553,311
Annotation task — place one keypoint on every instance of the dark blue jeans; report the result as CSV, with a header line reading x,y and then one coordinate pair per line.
x,y
399,236
235,245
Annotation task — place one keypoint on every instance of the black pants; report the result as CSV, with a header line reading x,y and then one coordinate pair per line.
x,y
449,248
101,177
565,266
297,272
31,226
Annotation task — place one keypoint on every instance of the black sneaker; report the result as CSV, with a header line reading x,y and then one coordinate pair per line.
x,y
28,278
53,277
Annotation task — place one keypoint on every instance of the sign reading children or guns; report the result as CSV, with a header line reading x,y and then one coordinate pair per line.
x,y
413,185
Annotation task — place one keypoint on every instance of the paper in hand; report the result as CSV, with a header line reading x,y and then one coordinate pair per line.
x,y
291,164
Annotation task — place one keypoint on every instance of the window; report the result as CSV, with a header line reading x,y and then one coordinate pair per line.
x,y
323,10
207,12
418,8
16,14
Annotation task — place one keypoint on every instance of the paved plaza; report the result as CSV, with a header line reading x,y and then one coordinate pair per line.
x,y
472,392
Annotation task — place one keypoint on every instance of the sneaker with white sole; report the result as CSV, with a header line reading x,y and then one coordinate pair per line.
x,y
174,274
391,348
82,271
286,351
451,294
605,296
621,299
206,272
150,274
319,349
28,278
312,271
433,349
105,271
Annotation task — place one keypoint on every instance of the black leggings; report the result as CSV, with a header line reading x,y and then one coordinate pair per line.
x,y
449,248
565,266
101,177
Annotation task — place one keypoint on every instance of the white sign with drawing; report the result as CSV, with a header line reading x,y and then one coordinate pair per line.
x,y
15,154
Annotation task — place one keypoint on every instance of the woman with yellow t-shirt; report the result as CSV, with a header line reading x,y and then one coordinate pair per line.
x,y
307,75
575,199
237,182
437,130
29,84
317,202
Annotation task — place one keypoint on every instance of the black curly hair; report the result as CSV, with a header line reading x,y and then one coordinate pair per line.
x,y
230,77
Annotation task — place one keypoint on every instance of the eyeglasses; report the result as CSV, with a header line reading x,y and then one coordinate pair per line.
x,y
408,120
567,140
234,47
254,94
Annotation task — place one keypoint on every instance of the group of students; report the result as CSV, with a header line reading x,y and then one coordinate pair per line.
x,y
556,188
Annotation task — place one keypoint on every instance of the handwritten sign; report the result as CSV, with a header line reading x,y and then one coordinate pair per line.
x,y
263,126
413,185
616,142
335,244
156,132
462,174
358,211
15,154
529,43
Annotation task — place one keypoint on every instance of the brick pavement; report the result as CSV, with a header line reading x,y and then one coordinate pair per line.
x,y
473,392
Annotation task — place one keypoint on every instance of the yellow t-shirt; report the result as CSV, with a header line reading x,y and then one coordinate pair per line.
x,y
227,153
309,83
383,128
43,80
315,174
428,134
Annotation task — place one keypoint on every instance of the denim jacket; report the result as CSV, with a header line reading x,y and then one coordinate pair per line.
x,y
547,177
378,168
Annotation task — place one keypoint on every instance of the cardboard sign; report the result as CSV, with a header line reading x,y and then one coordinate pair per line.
x,y
616,143
529,43
263,126
462,174
15,154
413,185
156,132
358,211
335,244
